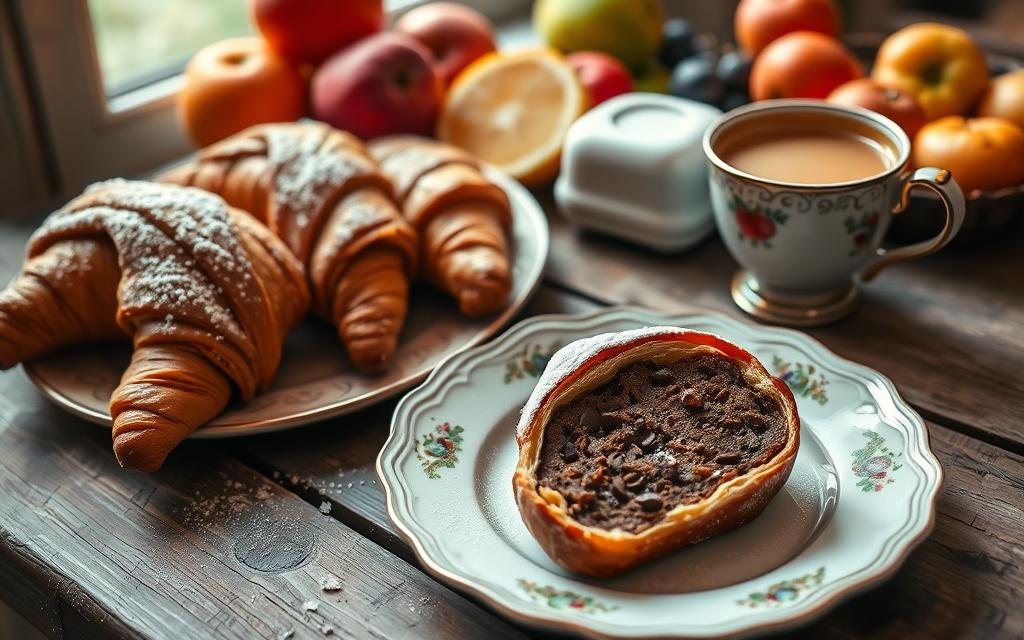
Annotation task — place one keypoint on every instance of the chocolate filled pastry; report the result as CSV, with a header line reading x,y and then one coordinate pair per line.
x,y
635,444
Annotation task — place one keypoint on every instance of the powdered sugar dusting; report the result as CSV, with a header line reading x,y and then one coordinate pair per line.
x,y
571,357
309,174
151,225
178,248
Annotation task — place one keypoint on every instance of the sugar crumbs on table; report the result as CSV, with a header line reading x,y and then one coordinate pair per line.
x,y
330,583
284,635
325,507
327,630
229,502
310,605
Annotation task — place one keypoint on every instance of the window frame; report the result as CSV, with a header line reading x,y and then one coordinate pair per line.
x,y
27,176
91,136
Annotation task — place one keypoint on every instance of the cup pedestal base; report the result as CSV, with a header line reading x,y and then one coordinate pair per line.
x,y
795,310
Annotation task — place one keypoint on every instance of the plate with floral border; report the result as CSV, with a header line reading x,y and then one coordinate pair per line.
x,y
315,380
861,495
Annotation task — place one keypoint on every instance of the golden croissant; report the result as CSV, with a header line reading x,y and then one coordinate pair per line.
x,y
317,189
205,292
463,219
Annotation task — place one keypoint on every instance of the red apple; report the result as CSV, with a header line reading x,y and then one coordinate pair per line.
x,y
312,30
600,74
381,85
898,106
454,33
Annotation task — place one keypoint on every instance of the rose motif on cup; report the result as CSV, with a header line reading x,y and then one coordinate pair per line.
x,y
756,224
861,229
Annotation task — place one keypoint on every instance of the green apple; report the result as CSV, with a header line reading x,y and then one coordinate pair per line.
x,y
630,30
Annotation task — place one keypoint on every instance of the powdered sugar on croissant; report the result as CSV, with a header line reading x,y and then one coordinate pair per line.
x,y
206,293
317,189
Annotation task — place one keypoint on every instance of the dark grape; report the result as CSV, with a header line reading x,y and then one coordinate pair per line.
x,y
695,79
734,70
677,42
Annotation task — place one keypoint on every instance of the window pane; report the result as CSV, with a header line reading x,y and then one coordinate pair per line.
x,y
139,41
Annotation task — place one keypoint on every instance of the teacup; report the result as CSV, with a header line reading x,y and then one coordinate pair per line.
x,y
803,246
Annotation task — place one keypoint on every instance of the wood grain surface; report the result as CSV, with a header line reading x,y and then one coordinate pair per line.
x,y
962,583
206,548
230,539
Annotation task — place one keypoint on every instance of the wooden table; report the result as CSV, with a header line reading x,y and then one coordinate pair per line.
x,y
229,540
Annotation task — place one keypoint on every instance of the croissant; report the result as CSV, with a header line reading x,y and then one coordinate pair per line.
x,y
463,219
317,189
205,293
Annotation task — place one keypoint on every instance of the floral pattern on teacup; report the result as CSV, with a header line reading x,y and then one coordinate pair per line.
x,y
861,229
757,224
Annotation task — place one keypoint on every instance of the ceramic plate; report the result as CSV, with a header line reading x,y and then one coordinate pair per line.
x,y
315,380
861,495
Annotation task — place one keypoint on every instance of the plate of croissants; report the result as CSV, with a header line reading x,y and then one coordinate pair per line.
x,y
285,275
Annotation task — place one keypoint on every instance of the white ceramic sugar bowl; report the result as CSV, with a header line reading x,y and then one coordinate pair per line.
x,y
633,167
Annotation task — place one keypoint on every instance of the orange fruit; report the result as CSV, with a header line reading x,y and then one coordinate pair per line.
x,y
760,22
1005,98
234,84
981,153
513,111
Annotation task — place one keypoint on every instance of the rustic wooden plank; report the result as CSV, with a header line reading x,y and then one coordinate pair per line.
x,y
964,581
205,548
946,329
345,474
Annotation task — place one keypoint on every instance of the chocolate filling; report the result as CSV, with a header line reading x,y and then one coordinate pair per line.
x,y
657,436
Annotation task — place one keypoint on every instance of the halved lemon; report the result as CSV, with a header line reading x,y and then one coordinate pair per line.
x,y
513,111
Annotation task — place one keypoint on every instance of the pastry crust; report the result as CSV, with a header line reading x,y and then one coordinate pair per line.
x,y
587,364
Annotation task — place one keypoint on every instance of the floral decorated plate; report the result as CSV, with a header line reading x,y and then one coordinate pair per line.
x,y
861,496
315,380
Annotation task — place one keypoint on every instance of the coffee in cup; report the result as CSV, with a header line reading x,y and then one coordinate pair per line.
x,y
803,193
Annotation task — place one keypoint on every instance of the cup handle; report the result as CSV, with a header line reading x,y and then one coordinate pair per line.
x,y
941,182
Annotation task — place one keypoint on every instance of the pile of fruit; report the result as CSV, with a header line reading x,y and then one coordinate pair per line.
x,y
334,61
931,79
437,71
